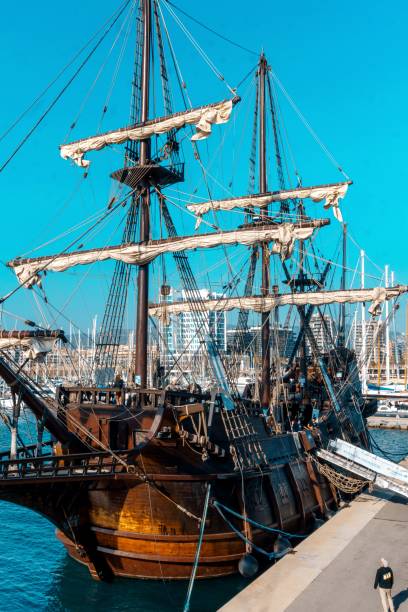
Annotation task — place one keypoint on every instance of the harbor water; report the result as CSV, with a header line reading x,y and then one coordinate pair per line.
x,y
36,573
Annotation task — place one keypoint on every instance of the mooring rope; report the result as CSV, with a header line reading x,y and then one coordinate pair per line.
x,y
256,524
262,551
198,550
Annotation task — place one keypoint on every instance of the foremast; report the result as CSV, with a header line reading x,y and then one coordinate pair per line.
x,y
141,338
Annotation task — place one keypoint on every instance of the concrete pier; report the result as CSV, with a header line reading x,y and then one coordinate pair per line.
x,y
380,422
333,570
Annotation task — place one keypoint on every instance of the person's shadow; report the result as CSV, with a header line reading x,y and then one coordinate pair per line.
x,y
399,598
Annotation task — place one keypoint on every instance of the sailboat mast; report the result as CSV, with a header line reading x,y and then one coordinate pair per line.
x,y
266,350
364,357
387,332
143,276
341,339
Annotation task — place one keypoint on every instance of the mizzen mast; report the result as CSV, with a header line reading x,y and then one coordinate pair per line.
x,y
265,335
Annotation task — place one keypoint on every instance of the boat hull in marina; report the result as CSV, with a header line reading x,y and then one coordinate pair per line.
x,y
141,535
119,526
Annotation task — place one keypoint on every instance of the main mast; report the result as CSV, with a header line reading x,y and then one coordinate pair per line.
x,y
266,349
143,276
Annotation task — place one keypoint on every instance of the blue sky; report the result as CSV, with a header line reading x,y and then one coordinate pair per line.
x,y
344,64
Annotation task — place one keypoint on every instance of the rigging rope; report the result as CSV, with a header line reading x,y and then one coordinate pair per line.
x,y
244,442
198,550
180,78
256,524
62,91
118,64
70,230
99,73
249,543
55,79
203,25
284,207
309,128
100,220
199,49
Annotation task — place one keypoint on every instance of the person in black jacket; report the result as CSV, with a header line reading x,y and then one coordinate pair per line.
x,y
384,579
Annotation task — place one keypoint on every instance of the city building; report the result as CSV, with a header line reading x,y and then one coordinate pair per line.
x,y
188,333
374,339
324,332
282,341
181,338
166,333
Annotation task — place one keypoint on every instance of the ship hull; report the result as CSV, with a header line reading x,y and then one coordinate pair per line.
x,y
140,534
138,516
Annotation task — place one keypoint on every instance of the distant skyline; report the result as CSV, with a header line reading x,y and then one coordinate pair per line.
x,y
342,63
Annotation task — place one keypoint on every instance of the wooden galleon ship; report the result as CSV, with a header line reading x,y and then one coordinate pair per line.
x,y
124,464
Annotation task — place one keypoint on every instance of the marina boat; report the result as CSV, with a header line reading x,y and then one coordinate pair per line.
x,y
392,399
391,407
390,389
139,475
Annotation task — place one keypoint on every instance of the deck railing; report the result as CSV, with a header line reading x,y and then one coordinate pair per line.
x,y
109,396
61,466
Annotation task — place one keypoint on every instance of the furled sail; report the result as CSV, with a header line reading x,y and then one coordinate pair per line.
x,y
284,237
203,117
34,344
330,193
266,303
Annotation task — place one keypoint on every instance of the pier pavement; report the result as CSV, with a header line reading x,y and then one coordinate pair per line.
x,y
384,422
333,570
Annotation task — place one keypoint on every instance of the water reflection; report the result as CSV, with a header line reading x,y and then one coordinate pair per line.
x,y
390,441
72,589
